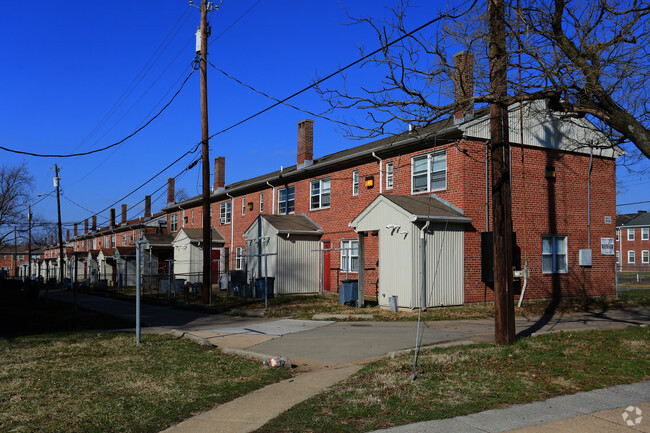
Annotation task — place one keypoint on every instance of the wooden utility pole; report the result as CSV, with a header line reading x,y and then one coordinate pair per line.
x,y
29,242
57,180
504,329
207,226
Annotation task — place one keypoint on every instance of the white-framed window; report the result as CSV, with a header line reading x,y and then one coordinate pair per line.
x,y
141,235
20,257
554,254
320,194
173,223
94,243
349,255
225,212
261,202
183,219
645,257
618,257
286,200
645,233
389,175
630,234
124,239
113,241
429,172
618,234
631,257
107,241
239,258
355,182
243,205
191,216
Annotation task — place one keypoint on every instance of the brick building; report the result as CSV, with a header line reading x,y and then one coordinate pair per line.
x,y
633,241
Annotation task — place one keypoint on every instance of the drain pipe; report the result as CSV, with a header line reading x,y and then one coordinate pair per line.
x,y
272,197
381,173
591,164
424,263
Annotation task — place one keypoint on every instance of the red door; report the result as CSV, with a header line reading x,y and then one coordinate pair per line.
x,y
216,255
326,265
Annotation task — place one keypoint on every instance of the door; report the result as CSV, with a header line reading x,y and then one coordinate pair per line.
x,y
216,257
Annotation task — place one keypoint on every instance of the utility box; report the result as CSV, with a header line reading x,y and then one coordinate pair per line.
x,y
584,259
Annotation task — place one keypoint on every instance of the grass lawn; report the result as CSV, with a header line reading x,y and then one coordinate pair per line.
x,y
469,379
56,377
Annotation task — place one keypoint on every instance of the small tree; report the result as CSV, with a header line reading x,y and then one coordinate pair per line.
x,y
15,192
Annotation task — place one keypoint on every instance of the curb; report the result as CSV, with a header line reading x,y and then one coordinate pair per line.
x,y
255,356
433,346
248,313
342,316
198,340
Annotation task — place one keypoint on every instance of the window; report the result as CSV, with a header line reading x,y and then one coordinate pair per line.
x,y
389,175
355,182
239,258
20,257
429,172
631,257
107,241
173,223
124,239
349,255
320,194
618,234
224,212
645,256
141,234
243,205
113,240
630,234
192,216
554,254
644,233
286,200
261,202
618,257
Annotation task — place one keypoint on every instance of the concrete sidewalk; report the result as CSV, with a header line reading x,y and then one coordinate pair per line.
x,y
601,410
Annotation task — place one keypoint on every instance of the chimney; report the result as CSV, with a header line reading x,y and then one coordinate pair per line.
x,y
75,230
463,85
86,226
112,218
219,174
67,235
94,226
305,143
51,239
170,191
123,214
147,206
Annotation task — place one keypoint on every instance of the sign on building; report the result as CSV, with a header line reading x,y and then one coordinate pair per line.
x,y
607,246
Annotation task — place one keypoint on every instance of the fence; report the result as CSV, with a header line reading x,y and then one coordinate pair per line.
x,y
634,274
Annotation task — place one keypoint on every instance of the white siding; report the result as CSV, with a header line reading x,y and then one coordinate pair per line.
x,y
298,267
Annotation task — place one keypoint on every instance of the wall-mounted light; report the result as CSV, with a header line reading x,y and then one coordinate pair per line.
x,y
549,172
370,181
250,205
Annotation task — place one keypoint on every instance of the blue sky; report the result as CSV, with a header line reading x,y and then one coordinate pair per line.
x,y
76,77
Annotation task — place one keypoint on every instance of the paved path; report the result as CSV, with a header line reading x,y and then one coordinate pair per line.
x,y
326,352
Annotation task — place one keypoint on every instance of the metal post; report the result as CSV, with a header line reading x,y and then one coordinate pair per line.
x,y
57,180
138,286
266,274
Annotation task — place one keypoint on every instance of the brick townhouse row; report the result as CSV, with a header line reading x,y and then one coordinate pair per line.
x,y
633,241
367,212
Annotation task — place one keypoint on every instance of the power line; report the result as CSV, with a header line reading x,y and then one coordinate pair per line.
x,y
109,146
629,204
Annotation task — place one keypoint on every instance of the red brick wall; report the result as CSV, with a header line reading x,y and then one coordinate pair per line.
x,y
638,245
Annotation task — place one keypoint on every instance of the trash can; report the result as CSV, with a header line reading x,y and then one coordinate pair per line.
x,y
392,303
350,292
259,287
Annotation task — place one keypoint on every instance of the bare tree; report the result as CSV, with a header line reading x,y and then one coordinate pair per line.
x,y
15,191
586,59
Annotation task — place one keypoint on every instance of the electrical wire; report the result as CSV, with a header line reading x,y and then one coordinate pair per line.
x,y
20,152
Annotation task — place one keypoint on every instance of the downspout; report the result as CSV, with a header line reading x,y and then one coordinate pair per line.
x,y
487,186
591,164
423,264
232,228
272,197
381,173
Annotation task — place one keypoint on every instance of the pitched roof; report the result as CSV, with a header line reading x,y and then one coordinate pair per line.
x,y
641,218
159,240
427,208
293,223
197,234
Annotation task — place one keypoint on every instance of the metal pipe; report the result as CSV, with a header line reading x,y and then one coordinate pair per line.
x,y
424,264
381,173
138,287
272,197
591,164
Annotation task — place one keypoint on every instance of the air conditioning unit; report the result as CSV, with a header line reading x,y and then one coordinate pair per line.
x,y
222,220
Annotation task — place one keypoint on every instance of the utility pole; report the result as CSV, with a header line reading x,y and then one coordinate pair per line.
x,y
29,242
58,207
205,158
504,306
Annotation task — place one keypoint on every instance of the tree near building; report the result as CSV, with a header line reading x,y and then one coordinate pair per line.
x,y
586,59
15,192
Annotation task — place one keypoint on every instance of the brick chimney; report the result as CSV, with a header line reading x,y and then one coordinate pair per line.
x,y
112,217
94,226
86,226
305,143
67,235
147,206
170,191
219,174
51,239
463,85
75,230
123,214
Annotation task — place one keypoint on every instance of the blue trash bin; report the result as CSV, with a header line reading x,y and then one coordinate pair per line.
x,y
259,287
350,292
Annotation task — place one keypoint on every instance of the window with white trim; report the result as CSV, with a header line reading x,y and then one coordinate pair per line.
x,y
113,241
286,200
173,223
192,216
94,243
645,257
124,239
107,241
554,254
224,212
261,202
630,234
631,257
320,194
618,257
645,233
355,182
618,234
429,172
239,258
349,255
389,175
243,205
